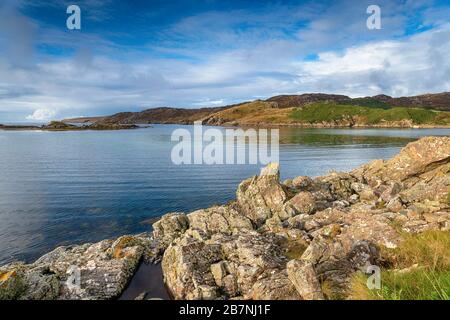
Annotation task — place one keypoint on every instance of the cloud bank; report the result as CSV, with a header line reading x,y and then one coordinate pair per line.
x,y
42,115
219,57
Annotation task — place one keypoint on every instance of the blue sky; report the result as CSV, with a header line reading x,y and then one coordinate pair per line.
x,y
132,55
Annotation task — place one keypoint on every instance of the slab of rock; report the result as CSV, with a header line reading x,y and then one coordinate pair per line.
x,y
344,242
170,227
305,280
219,219
12,283
276,286
88,272
302,182
247,264
261,197
414,159
187,269
433,185
302,203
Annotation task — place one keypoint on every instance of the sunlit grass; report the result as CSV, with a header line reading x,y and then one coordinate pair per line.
x,y
419,284
420,270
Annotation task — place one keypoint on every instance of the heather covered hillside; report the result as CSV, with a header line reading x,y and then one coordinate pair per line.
x,y
308,110
329,114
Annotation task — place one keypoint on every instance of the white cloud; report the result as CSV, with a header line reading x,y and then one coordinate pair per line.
x,y
410,66
42,115
224,65
418,64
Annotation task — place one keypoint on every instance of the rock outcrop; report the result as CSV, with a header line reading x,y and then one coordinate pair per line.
x,y
302,239
89,272
290,241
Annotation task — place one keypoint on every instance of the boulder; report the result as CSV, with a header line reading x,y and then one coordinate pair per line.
x,y
26,282
364,191
395,204
344,242
187,269
223,219
335,261
305,280
259,198
301,203
302,182
417,157
433,185
12,282
276,286
339,184
88,271
170,227
246,264
389,191
414,159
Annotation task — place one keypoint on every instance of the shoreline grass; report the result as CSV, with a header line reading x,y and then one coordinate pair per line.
x,y
419,269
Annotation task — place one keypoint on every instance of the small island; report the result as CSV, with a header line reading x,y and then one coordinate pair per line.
x,y
62,126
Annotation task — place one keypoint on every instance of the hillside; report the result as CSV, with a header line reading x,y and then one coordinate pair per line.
x,y
438,101
309,110
156,115
328,114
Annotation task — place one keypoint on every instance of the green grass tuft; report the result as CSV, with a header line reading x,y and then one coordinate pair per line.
x,y
420,284
424,261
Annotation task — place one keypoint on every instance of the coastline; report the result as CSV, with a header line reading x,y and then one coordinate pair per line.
x,y
225,125
60,126
275,227
329,126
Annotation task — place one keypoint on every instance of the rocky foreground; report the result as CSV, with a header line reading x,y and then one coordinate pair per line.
x,y
300,239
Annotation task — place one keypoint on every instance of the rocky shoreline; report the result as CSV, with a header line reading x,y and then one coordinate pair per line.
x,y
300,239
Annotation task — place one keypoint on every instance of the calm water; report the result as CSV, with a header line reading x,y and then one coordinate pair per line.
x,y
61,188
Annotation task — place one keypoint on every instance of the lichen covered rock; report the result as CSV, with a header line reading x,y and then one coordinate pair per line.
x,y
259,198
223,219
89,271
247,264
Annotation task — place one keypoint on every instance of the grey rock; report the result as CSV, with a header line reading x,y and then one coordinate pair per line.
x,y
170,227
305,280
223,219
259,198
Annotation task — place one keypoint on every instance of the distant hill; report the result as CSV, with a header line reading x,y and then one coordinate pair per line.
x,y
310,110
289,101
438,101
156,115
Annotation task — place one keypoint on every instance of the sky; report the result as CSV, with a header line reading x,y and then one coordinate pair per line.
x,y
133,55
